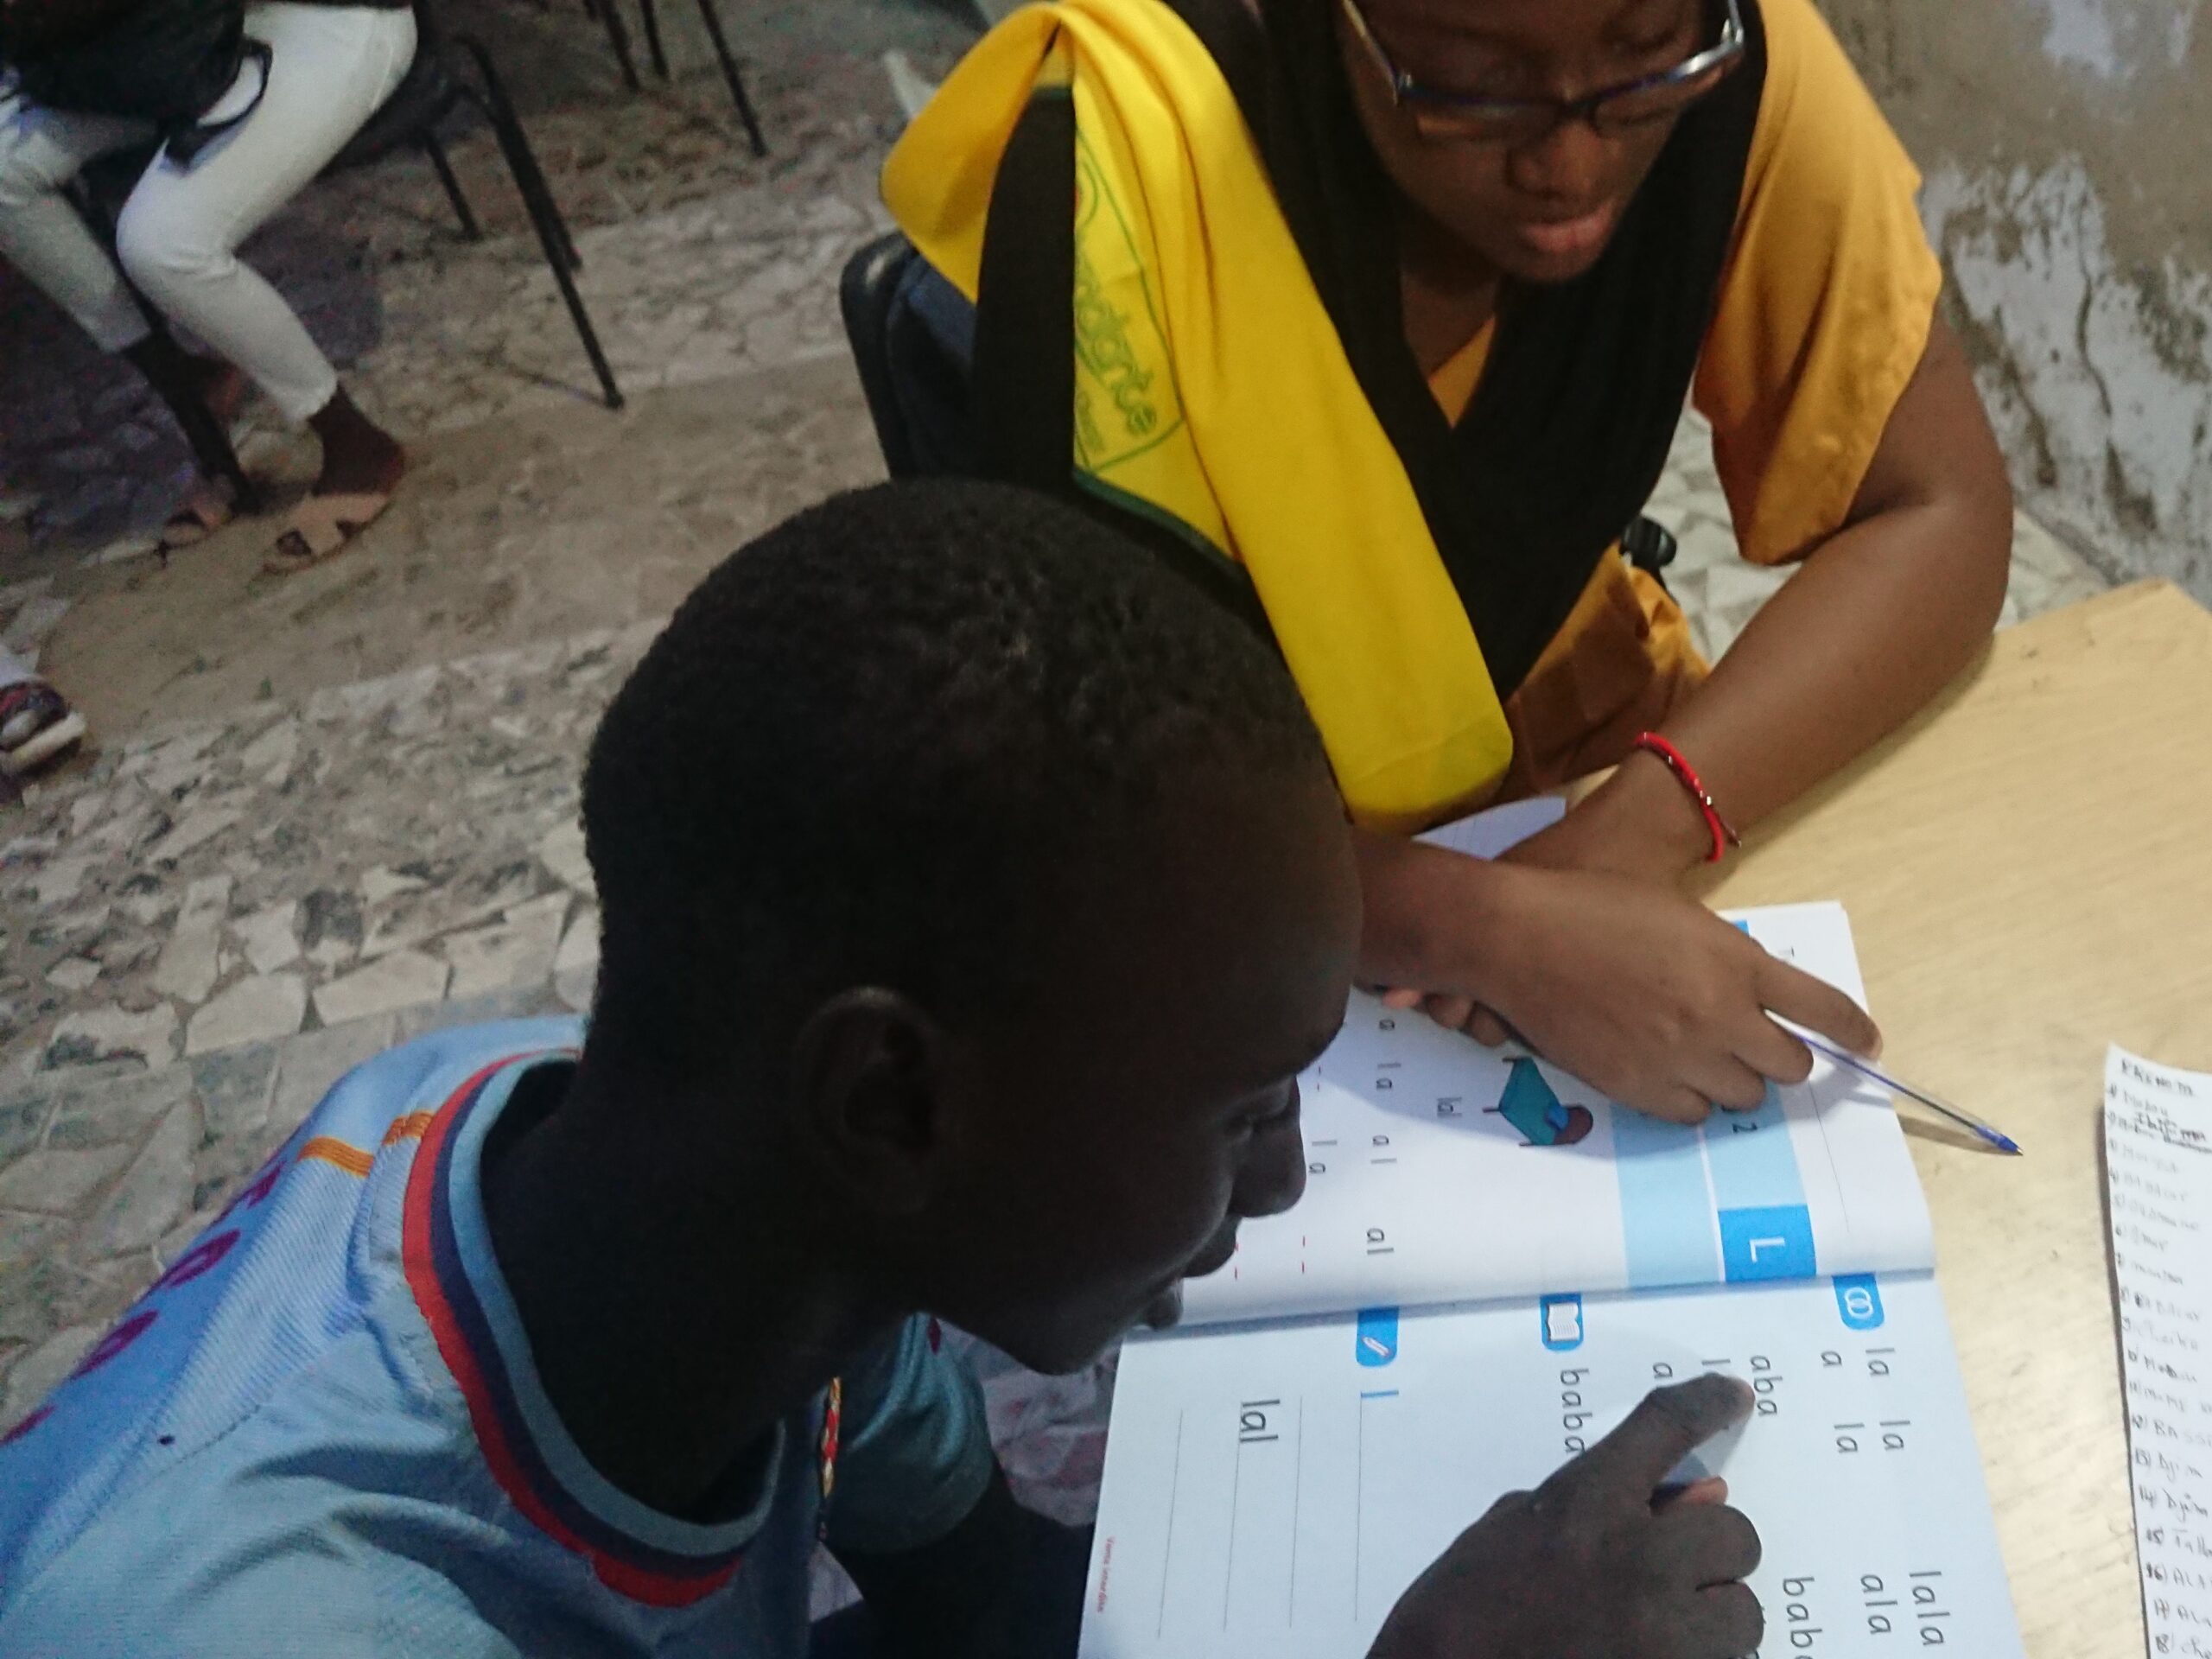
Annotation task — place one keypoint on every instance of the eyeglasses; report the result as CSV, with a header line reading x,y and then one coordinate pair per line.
x,y
1442,116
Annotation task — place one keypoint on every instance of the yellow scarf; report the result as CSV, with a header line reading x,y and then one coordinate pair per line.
x,y
1211,386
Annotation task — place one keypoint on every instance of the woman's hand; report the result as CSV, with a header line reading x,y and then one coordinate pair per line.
x,y
1639,821
1640,993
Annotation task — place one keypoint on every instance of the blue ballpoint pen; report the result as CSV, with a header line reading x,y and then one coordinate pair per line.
x,y
1996,1137
1989,1132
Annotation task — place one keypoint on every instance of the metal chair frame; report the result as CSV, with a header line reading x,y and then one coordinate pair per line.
x,y
554,238
608,12
865,295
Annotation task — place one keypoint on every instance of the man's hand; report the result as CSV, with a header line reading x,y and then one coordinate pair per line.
x,y
1641,993
1586,1566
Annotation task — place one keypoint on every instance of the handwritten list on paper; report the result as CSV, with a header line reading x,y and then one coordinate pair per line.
x,y
2159,1162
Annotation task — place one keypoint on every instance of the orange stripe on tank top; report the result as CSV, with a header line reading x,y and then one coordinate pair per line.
x,y
343,1154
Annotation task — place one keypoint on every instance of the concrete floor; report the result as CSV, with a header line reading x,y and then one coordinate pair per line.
x,y
546,524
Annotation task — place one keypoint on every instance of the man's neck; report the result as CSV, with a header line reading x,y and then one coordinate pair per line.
x,y
674,1310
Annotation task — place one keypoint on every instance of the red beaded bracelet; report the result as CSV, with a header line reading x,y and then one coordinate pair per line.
x,y
1686,775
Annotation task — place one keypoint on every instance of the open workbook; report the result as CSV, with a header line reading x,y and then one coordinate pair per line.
x,y
1490,1266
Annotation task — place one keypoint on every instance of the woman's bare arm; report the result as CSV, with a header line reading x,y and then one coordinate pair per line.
x,y
1877,619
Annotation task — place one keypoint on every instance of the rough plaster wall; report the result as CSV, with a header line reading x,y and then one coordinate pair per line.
x,y
2067,148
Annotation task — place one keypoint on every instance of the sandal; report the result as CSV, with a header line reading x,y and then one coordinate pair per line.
x,y
36,726
322,527
206,511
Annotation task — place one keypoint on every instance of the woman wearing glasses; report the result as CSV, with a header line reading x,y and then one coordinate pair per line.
x,y
1384,314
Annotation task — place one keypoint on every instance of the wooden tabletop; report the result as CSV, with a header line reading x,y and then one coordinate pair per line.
x,y
2028,870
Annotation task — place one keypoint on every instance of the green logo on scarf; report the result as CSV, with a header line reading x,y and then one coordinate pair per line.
x,y
1125,401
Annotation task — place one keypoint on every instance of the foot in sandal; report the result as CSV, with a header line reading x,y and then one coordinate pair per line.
x,y
36,727
204,511
362,465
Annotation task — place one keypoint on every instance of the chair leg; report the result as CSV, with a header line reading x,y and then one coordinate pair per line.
x,y
203,434
522,161
552,232
469,228
211,448
610,15
652,14
538,194
714,23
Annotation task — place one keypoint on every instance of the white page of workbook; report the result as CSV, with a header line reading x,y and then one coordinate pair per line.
x,y
2158,1172
1441,1171
1271,1490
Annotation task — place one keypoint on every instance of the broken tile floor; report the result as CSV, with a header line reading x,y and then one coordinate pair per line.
x,y
322,813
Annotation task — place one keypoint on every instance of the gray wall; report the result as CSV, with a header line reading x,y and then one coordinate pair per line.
x,y
2067,150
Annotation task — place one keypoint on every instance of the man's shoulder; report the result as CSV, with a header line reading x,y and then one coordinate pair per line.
x,y
284,1336
204,1561
204,1542
420,1074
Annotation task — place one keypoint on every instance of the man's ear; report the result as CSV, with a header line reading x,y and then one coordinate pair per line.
x,y
867,1078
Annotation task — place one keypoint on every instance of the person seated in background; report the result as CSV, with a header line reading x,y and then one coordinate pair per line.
x,y
973,894
91,77
37,725
1378,317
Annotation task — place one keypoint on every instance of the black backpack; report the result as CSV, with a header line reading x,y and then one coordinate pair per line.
x,y
166,61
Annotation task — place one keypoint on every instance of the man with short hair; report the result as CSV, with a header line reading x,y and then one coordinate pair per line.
x,y
973,896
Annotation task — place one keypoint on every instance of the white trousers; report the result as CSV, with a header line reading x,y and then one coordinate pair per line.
x,y
178,236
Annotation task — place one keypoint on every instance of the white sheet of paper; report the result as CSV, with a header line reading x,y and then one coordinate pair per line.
x,y
1440,1171
1486,835
2159,1165
1271,1490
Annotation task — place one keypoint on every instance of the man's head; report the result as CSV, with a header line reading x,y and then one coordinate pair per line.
x,y
991,881
1541,208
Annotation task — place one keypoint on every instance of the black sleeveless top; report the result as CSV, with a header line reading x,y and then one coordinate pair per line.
x,y
1585,380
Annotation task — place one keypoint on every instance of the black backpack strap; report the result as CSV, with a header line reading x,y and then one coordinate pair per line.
x,y
184,140
1023,385
1650,547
